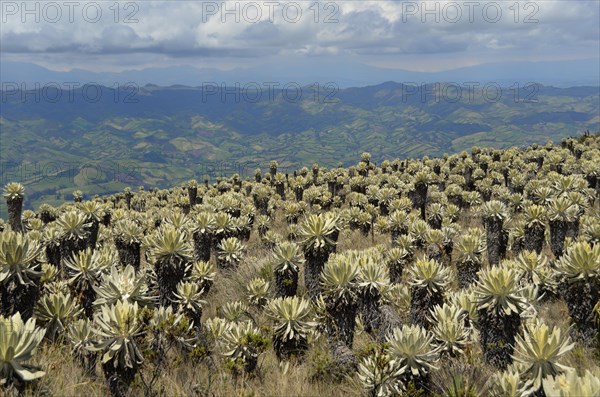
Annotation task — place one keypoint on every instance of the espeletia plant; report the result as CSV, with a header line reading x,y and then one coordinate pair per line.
x,y
173,257
117,328
339,283
470,247
318,239
18,343
495,216
499,305
539,351
14,193
578,273
413,347
20,272
373,282
287,259
381,375
293,322
428,280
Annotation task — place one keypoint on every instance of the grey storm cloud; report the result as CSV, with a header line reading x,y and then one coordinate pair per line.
x,y
370,28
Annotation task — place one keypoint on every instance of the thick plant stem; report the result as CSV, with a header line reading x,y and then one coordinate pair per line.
x,y
15,211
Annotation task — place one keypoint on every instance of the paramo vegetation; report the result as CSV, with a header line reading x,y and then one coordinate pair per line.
x,y
475,274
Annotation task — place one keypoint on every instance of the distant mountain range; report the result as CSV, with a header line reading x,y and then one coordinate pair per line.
x,y
307,72
58,141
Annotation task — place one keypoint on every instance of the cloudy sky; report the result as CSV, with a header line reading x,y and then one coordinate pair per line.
x,y
413,35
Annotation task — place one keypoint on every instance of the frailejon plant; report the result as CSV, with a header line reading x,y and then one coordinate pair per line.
x,y
412,346
257,291
178,220
14,194
234,311
51,240
34,225
562,212
292,211
56,312
18,343
500,304
591,230
230,253
271,239
396,260
449,231
192,189
128,237
81,338
189,299
381,375
293,323
339,283
373,281
20,272
535,269
539,351
428,279
582,201
172,257
449,328
47,213
578,272
223,228
203,234
418,230
571,385
122,285
543,195
84,270
459,378
242,227
279,181
243,343
169,329
93,213
384,197
287,259
470,247
435,215
421,182
261,195
49,275
74,233
318,239
510,383
495,216
203,274
117,327
434,249
535,227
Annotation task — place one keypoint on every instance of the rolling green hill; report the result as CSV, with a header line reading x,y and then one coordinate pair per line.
x,y
158,136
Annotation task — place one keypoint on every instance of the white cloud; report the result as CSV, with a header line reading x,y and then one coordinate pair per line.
x,y
370,31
